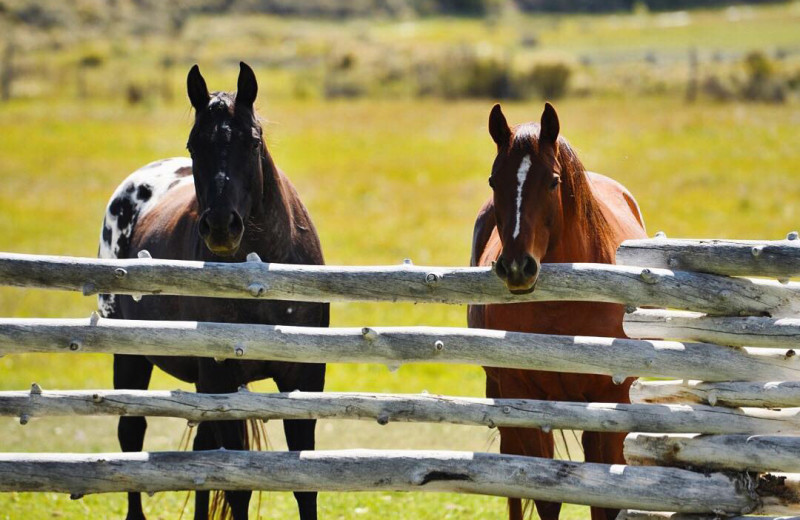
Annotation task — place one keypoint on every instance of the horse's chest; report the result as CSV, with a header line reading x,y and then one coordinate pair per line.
x,y
236,311
563,318
566,318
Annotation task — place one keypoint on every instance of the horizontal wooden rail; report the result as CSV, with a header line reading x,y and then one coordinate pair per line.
x,y
632,514
613,486
394,346
631,286
773,258
774,394
386,408
761,453
751,331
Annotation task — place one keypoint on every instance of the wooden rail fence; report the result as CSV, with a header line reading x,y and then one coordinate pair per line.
x,y
709,443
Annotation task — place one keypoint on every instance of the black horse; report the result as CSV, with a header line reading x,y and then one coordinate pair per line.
x,y
227,201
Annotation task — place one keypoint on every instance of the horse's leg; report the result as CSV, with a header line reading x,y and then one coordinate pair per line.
x,y
604,448
607,447
524,441
132,373
300,433
218,378
212,435
203,440
530,442
514,504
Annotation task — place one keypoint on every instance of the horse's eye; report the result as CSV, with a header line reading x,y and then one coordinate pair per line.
x,y
555,183
256,146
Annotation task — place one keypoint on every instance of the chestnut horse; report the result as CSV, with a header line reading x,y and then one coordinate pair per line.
x,y
547,208
227,201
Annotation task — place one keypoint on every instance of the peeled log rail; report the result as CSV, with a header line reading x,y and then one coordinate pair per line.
x,y
602,485
385,408
632,514
760,453
394,346
631,286
751,331
772,258
774,394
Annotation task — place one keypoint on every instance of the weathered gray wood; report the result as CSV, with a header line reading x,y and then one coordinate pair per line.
x,y
762,453
401,408
773,258
751,331
633,514
361,470
397,345
584,282
774,394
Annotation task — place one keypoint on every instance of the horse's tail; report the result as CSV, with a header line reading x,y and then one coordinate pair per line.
x,y
255,438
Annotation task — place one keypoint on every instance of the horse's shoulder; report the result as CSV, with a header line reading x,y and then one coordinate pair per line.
x,y
305,245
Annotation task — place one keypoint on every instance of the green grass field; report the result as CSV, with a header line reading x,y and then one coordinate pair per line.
x,y
384,180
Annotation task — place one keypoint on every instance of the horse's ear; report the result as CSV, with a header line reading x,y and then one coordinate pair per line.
x,y
247,87
196,87
549,124
498,127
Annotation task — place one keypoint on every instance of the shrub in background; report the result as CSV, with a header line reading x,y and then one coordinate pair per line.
x,y
762,83
548,80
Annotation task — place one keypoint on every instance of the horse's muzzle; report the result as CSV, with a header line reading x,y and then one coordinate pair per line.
x,y
222,234
520,276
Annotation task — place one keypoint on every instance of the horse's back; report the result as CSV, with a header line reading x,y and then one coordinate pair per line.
x,y
619,207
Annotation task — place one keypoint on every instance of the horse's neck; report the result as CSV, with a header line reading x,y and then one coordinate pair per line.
x,y
272,228
579,241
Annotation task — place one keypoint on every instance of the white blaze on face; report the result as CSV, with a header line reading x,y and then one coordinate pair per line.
x,y
522,174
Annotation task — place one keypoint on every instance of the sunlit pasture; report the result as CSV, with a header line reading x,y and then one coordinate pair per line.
x,y
385,180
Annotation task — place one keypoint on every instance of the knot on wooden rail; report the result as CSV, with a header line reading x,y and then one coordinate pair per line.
x,y
648,276
256,289
432,278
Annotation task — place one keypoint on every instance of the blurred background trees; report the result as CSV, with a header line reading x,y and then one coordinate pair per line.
x,y
501,49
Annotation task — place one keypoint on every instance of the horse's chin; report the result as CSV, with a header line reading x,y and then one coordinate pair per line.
x,y
226,251
517,291
524,289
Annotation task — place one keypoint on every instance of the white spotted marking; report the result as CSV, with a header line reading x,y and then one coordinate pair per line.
x,y
522,174
159,177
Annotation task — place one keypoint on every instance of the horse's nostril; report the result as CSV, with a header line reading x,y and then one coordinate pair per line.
x,y
235,225
530,267
501,268
203,227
